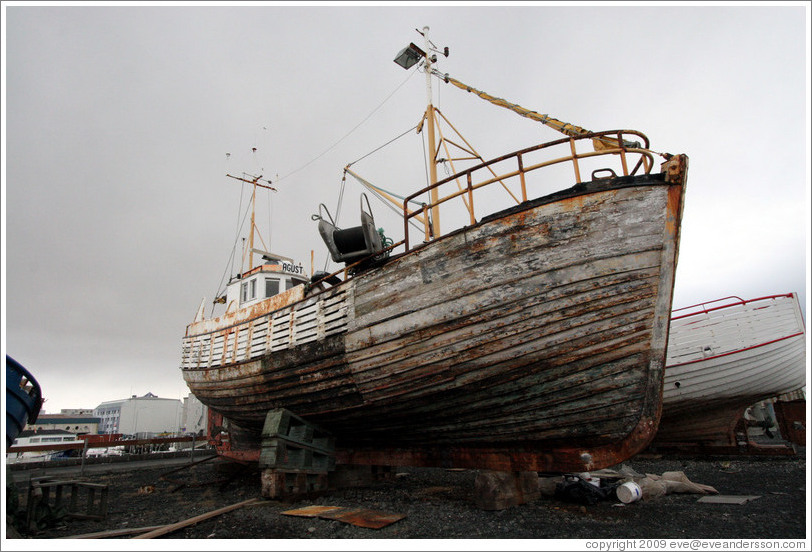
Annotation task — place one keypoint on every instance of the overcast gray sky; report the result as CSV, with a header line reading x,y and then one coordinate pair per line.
x,y
119,219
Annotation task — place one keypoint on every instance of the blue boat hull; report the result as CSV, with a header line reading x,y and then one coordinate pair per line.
x,y
23,399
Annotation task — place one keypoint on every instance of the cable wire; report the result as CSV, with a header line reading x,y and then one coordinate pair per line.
x,y
351,131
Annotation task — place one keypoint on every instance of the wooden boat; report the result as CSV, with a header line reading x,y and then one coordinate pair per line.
x,y
533,338
723,357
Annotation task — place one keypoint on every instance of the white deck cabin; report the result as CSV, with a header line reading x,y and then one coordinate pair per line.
x,y
276,275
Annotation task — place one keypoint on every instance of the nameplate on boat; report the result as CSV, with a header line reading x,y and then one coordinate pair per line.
x,y
293,268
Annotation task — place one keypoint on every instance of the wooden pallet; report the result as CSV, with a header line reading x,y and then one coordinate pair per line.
x,y
45,494
296,455
282,454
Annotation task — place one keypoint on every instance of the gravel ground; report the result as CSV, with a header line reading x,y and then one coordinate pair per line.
x,y
439,504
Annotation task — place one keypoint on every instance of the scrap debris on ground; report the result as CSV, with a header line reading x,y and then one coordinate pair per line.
x,y
740,498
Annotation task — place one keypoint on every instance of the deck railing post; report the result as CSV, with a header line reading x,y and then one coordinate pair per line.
x,y
622,154
521,178
427,224
84,454
406,216
471,201
575,161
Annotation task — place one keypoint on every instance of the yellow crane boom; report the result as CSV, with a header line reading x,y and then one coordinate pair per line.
x,y
565,128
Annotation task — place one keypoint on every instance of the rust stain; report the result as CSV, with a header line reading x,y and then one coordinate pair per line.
x,y
271,304
573,203
361,517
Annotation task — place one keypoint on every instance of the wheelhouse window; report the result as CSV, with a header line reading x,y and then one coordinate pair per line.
x,y
271,287
249,290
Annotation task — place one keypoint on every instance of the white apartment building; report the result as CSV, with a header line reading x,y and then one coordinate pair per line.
x,y
143,416
195,416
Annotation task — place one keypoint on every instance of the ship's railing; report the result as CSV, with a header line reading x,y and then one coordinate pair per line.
x,y
732,301
630,148
731,325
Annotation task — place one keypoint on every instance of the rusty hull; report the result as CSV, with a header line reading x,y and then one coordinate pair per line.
x,y
533,340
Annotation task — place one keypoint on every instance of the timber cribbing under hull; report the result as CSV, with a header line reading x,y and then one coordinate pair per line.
x,y
532,340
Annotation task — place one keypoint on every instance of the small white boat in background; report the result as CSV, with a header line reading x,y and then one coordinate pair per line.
x,y
724,356
44,438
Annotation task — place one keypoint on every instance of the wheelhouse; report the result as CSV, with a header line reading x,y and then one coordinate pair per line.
x,y
273,277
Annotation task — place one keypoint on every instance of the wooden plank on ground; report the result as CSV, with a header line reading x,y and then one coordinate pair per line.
x,y
191,521
727,499
312,511
114,533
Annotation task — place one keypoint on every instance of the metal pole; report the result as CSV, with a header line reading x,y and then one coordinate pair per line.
x,y
84,454
435,209
253,224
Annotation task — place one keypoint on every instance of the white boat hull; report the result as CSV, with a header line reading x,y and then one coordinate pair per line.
x,y
722,359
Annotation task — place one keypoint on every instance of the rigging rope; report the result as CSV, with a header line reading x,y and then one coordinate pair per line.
x,y
351,131
239,224
426,162
233,250
338,212
383,146
375,191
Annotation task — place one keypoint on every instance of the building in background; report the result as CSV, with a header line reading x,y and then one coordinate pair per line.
x,y
78,422
195,416
144,417
76,411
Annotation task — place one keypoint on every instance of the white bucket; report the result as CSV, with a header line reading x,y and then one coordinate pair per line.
x,y
629,492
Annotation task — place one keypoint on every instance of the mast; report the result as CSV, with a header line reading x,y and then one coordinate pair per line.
x,y
435,210
407,58
253,225
254,182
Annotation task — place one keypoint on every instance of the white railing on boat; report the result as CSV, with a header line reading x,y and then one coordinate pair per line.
x,y
732,301
316,318
731,325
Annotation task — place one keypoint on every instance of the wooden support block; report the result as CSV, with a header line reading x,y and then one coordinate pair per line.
x,y
280,484
495,490
296,455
